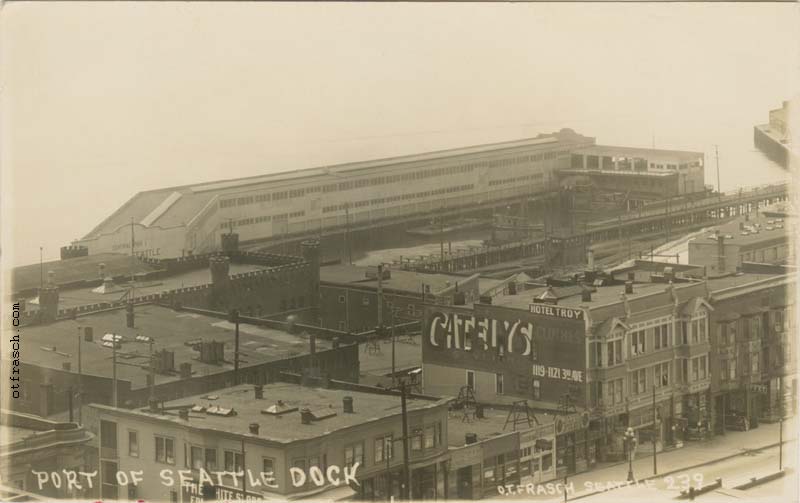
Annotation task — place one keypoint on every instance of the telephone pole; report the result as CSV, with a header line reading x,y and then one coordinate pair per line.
x,y
406,494
719,188
655,432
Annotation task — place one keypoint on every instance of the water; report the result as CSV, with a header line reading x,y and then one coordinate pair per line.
x,y
169,94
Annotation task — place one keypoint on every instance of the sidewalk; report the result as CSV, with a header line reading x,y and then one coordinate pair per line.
x,y
691,455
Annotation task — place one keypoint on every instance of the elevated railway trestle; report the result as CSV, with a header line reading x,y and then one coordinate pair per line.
x,y
559,250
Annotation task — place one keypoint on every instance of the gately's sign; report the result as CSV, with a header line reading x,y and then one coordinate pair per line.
x,y
455,331
566,313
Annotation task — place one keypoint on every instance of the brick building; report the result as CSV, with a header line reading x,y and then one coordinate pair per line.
x,y
328,435
193,351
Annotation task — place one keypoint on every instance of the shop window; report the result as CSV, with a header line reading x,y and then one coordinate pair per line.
x,y
637,343
165,450
639,381
233,461
384,448
430,436
661,336
416,439
133,444
353,454
662,374
211,459
196,458
471,379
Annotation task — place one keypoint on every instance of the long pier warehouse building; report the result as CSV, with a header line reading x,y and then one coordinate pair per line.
x,y
190,219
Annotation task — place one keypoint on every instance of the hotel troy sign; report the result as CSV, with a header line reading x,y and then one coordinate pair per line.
x,y
553,311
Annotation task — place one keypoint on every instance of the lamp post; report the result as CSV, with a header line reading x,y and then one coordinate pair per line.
x,y
630,444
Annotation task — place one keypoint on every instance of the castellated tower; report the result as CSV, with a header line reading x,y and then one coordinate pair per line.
x,y
220,280
230,242
311,251
48,299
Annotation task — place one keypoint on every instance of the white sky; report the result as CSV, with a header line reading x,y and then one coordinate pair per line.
x,y
102,100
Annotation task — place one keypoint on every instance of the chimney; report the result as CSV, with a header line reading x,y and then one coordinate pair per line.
x,y
305,416
459,299
347,403
512,287
129,320
184,414
258,390
470,438
628,287
312,344
486,299
720,253
66,366
101,267
254,428
586,295
186,370
590,258
88,334
335,343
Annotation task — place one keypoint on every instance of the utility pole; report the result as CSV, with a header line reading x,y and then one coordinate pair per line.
x,y
441,239
80,378
234,318
406,464
244,474
719,188
393,350
347,232
380,298
655,432
41,273
152,373
780,423
114,369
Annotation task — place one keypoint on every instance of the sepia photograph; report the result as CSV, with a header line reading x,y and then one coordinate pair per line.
x,y
356,251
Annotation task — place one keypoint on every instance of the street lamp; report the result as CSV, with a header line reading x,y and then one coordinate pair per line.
x,y
630,445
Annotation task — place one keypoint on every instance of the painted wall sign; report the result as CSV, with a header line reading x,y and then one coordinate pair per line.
x,y
566,313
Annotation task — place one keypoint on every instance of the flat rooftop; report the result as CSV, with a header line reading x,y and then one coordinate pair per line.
x,y
85,296
406,281
69,270
742,279
600,296
758,229
493,424
286,427
51,345
610,150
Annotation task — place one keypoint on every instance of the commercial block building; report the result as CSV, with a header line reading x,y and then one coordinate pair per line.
x,y
30,444
276,432
605,357
750,238
753,366
192,351
349,295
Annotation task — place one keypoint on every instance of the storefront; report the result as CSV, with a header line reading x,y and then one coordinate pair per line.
x,y
500,462
537,448
572,444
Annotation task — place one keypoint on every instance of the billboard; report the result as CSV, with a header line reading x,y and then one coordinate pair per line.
x,y
541,353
